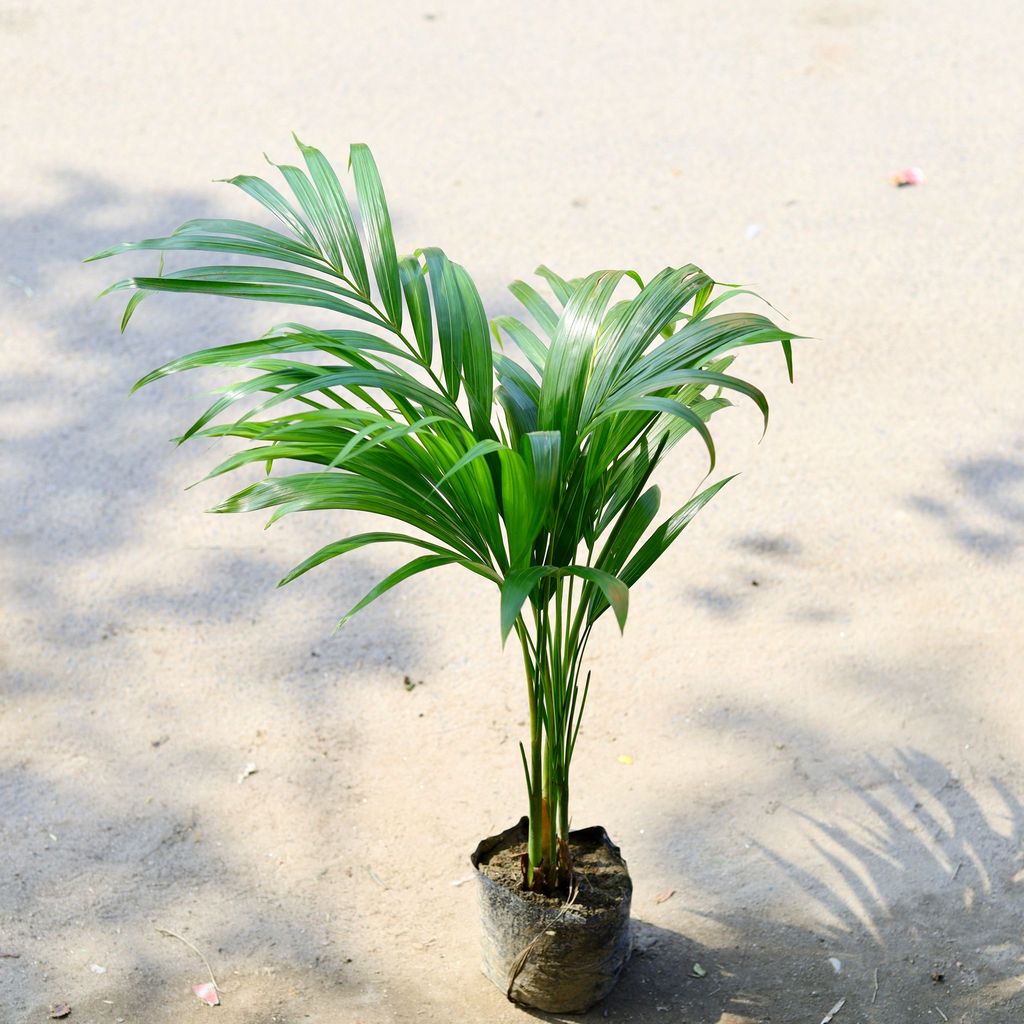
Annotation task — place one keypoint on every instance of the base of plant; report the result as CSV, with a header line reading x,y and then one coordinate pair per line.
x,y
557,954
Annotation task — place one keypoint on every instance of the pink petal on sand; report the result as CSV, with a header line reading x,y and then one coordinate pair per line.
x,y
908,176
207,992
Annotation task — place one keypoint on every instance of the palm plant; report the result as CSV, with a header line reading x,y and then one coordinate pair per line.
x,y
534,475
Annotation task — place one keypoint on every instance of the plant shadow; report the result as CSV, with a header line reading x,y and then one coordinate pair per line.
x,y
907,908
982,509
760,564
94,493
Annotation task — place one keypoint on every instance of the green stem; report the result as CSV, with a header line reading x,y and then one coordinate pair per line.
x,y
563,808
552,656
534,853
551,792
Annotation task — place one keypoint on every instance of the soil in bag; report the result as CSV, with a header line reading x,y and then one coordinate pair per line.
x,y
560,954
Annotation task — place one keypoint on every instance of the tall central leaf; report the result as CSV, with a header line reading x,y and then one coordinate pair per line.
x,y
570,357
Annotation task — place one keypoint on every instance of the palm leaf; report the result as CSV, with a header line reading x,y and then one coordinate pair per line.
x,y
267,196
414,287
332,195
377,223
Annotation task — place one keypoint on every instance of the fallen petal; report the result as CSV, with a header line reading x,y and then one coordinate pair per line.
x,y
908,176
625,759
207,992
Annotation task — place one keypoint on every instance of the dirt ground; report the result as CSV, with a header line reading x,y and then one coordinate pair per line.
x,y
820,686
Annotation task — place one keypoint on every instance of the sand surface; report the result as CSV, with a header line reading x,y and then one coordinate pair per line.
x,y
820,686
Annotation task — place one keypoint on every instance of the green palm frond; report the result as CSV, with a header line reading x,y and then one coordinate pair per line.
x,y
535,474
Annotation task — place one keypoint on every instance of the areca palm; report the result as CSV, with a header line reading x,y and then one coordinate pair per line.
x,y
533,474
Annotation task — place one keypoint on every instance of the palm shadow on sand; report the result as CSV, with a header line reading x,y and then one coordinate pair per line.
x,y
950,943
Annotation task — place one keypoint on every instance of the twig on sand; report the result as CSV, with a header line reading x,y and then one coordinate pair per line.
x,y
181,938
373,874
831,1013
941,1014
956,871
875,992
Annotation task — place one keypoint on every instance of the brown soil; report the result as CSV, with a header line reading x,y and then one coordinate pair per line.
x,y
602,877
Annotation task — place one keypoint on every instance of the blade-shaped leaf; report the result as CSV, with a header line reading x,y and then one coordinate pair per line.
x,y
193,241
448,313
543,449
653,403
631,526
520,409
515,589
342,547
477,366
269,197
636,325
333,196
529,344
293,295
520,583
244,229
509,371
658,543
417,565
536,306
569,359
377,223
561,287
314,212
522,517
481,448
676,378
615,590
417,298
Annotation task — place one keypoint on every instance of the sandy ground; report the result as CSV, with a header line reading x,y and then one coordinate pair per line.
x,y
827,764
